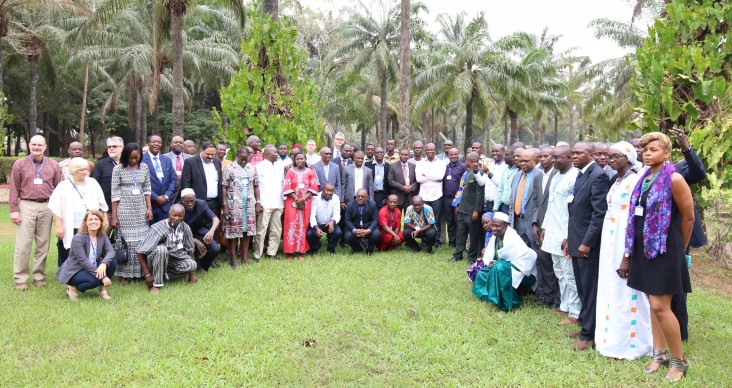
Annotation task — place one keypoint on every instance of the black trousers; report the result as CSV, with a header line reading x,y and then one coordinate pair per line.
x,y
465,226
586,271
379,197
547,285
678,307
212,250
314,240
436,206
371,242
63,253
448,211
428,238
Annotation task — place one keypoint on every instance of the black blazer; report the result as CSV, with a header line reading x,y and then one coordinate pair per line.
x,y
200,219
370,216
693,171
395,177
372,166
339,162
103,175
473,196
587,211
194,177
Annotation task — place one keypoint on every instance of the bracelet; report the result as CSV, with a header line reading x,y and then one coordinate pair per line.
x,y
148,275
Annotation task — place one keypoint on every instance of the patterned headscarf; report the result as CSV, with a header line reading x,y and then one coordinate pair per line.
x,y
628,150
657,213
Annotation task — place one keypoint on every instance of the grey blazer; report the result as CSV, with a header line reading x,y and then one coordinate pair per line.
x,y
528,210
349,188
79,256
540,199
334,175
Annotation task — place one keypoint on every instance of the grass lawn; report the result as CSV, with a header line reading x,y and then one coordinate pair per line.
x,y
398,319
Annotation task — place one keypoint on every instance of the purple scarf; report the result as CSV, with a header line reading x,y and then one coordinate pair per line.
x,y
657,212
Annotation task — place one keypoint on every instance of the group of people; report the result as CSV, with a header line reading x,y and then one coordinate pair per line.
x,y
558,221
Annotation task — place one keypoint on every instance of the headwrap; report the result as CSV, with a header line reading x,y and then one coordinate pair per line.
x,y
628,150
487,214
657,212
296,145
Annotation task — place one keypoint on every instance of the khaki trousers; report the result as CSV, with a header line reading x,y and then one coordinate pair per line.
x,y
35,225
269,219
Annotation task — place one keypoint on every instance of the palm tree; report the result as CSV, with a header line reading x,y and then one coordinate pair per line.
x,y
405,65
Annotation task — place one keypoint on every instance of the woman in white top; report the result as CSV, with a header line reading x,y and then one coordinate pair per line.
x,y
70,201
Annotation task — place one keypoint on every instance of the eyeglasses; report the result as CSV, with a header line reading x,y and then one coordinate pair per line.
x,y
616,157
114,146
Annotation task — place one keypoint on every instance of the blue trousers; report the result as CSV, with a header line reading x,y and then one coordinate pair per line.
x,y
84,280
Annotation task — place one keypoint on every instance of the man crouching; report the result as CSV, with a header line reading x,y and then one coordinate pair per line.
x,y
167,251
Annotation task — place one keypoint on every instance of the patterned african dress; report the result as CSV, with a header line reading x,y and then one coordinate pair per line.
x,y
297,220
623,314
130,188
240,182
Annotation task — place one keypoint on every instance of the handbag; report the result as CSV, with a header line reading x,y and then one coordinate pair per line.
x,y
120,247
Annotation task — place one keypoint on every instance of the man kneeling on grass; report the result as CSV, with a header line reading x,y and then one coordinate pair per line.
x,y
510,270
167,251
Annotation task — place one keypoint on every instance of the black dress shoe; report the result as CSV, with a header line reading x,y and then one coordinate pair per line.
x,y
429,250
215,264
455,259
331,251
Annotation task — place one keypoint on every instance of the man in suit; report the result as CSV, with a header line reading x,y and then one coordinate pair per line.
x,y
362,224
547,285
356,177
587,207
338,141
177,157
327,171
103,170
403,180
600,157
203,175
379,169
203,223
522,186
162,178
345,157
469,203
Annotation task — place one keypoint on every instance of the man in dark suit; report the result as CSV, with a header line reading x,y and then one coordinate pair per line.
x,y
345,158
547,285
362,224
587,207
162,178
520,210
356,177
203,223
327,171
380,170
403,180
469,203
203,175
103,170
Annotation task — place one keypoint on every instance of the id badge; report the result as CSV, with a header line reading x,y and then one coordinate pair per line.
x,y
38,181
449,177
639,211
160,175
136,191
301,186
570,198
378,178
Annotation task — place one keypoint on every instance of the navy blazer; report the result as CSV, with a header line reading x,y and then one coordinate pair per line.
x,y
164,186
587,211
79,256
194,177
200,219
334,176
370,216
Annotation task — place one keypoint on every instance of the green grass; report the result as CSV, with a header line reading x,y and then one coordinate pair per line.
x,y
398,319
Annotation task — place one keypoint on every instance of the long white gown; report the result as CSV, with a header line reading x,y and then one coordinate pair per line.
x,y
623,314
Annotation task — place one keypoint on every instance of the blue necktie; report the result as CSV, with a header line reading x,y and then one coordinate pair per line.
x,y
158,170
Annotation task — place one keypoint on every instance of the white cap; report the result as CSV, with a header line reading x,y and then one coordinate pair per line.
x,y
188,191
500,216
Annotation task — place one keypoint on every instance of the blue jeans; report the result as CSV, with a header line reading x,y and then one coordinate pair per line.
x,y
84,280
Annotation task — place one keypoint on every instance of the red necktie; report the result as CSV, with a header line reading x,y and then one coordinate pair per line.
x,y
178,164
406,174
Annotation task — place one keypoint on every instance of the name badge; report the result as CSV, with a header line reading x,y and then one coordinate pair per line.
x,y
136,191
38,181
570,198
160,175
378,178
449,177
639,211
301,186
180,245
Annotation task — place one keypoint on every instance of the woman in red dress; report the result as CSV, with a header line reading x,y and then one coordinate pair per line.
x,y
299,186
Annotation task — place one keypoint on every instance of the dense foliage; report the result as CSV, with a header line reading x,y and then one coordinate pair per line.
x,y
683,79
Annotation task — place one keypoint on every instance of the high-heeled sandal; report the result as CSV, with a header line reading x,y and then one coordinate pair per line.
x,y
677,364
660,357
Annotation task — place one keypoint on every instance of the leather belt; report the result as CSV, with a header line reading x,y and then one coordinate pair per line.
x,y
34,200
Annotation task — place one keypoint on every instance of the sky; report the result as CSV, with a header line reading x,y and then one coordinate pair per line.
x,y
567,18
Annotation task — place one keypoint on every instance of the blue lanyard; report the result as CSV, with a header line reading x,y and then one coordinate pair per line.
x,y
38,170
134,176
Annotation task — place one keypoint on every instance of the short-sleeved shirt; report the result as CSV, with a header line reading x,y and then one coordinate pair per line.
x,y
419,220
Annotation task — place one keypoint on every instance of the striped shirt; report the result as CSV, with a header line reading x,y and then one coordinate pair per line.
x,y
179,241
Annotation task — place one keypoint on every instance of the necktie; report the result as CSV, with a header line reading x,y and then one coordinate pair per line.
x,y
158,170
178,164
576,183
519,195
406,174
344,162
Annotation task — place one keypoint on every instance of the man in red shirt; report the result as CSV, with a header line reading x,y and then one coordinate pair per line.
x,y
390,222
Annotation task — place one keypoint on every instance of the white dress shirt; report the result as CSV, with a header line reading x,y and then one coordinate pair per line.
x,y
212,179
545,178
429,175
491,182
271,176
324,211
357,178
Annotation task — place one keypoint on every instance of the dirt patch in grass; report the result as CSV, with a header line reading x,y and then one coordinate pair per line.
x,y
710,273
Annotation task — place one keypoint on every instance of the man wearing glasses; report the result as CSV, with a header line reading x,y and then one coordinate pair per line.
x,y
103,170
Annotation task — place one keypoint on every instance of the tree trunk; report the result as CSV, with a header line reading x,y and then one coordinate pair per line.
x,y
487,135
506,133
177,10
155,122
535,135
468,140
82,119
2,58
271,7
514,125
362,129
138,118
405,67
143,126
542,130
556,128
571,125
382,107
32,112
